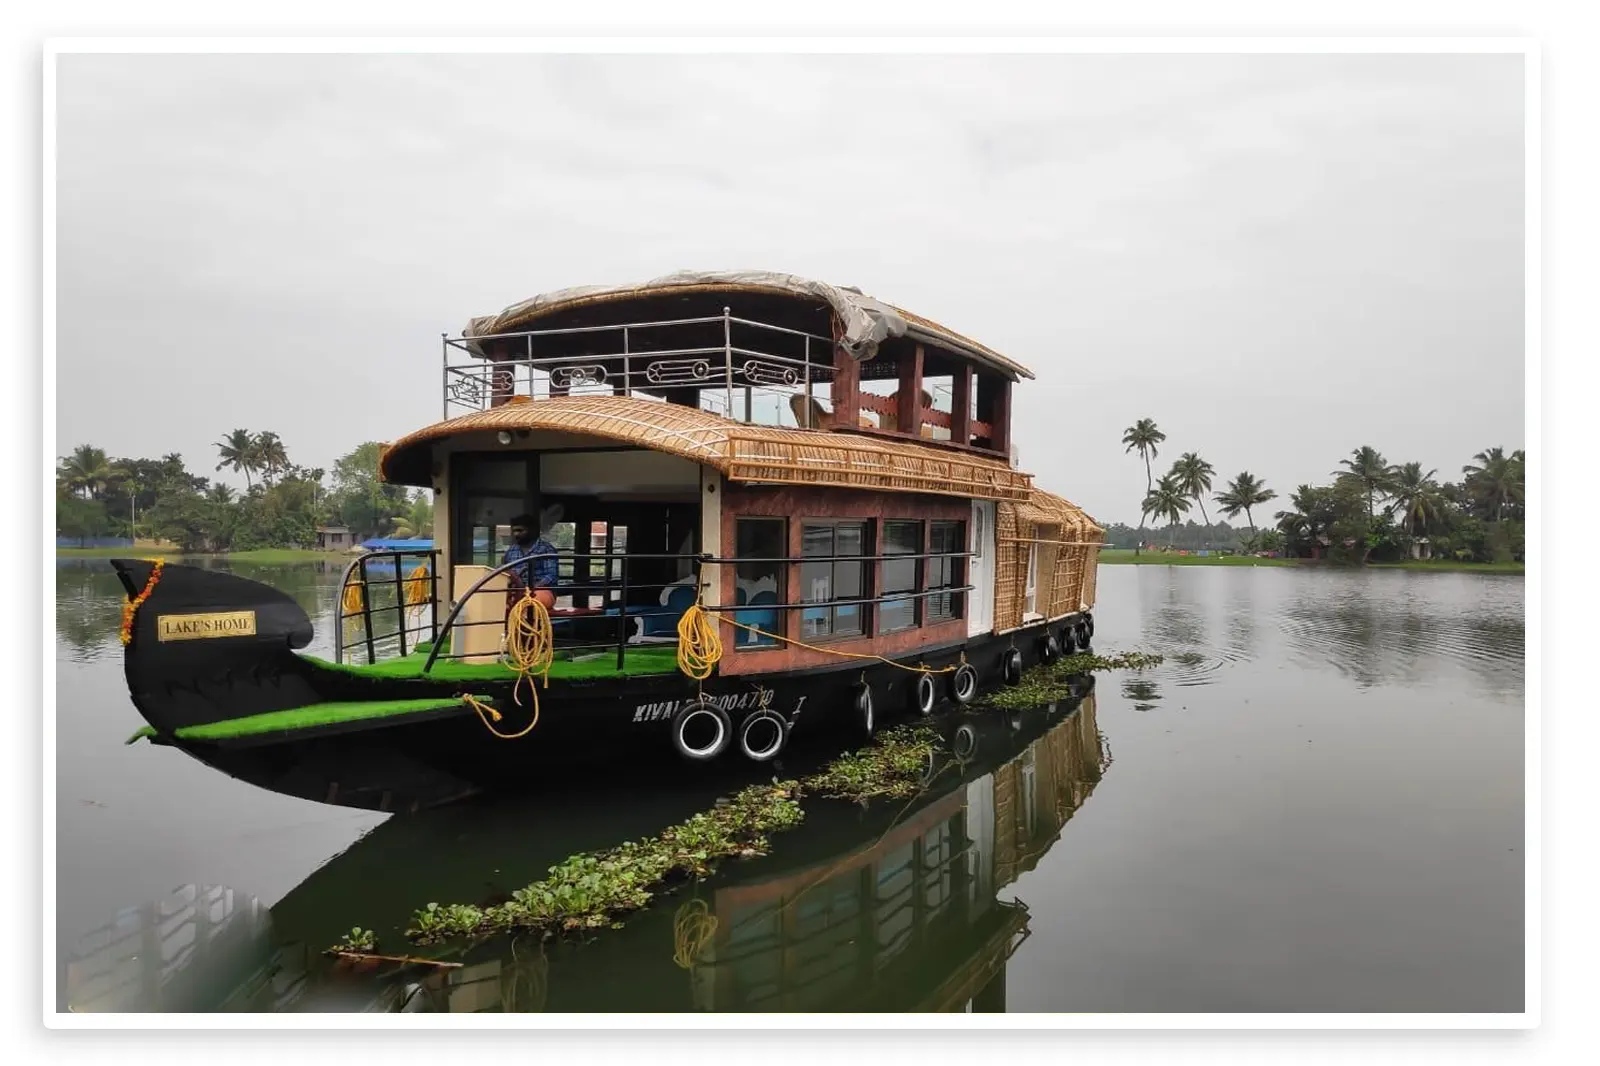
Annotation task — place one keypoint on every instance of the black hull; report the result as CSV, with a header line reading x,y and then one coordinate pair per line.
x,y
424,759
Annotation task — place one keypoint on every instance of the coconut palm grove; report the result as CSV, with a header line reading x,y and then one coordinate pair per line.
x,y
282,506
1370,510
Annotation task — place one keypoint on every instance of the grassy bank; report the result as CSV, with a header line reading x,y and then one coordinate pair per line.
x,y
261,555
1116,556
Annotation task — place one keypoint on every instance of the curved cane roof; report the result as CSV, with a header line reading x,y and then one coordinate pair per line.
x,y
864,321
758,454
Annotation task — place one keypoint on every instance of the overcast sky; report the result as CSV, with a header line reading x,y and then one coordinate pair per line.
x,y
1276,258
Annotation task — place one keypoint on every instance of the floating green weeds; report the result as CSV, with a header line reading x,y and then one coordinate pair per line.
x,y
893,766
597,889
1049,683
357,940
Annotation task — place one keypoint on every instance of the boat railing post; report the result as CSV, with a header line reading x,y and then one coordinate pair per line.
x,y
530,372
433,599
627,368
444,384
622,615
808,383
400,602
727,355
366,611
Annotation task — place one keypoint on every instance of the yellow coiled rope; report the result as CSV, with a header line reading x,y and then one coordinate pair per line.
x,y
530,649
417,591
489,716
692,930
353,599
699,645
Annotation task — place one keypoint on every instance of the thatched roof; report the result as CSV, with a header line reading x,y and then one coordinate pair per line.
x,y
864,322
759,454
1046,509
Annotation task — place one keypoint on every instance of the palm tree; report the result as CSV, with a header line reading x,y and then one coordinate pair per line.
x,y
1368,468
238,451
270,454
1167,500
1416,498
220,494
1244,492
1143,436
1302,523
86,472
1497,477
1193,476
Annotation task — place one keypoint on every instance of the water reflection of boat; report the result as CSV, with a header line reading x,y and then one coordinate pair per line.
x,y
893,908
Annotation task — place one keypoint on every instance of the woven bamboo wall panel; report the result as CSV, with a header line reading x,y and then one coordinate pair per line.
x,y
1091,573
1008,581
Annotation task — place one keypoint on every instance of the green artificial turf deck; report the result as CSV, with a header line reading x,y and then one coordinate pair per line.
x,y
638,661
316,714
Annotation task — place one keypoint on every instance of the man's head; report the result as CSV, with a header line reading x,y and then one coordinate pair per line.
x,y
523,528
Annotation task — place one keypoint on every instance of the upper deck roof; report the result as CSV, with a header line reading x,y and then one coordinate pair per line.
x,y
864,321
742,452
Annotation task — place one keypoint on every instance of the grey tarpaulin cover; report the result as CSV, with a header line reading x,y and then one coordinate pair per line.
x,y
866,322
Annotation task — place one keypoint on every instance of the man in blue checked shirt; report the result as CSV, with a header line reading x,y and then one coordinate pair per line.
x,y
539,572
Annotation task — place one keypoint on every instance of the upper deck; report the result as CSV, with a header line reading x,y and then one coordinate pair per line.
x,y
762,349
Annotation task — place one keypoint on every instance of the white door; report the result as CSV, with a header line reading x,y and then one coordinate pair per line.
x,y
980,568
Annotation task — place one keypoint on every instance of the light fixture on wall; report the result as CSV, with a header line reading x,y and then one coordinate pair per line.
x,y
504,437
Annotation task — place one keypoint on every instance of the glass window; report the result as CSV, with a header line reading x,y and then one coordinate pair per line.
x,y
759,584
826,579
900,575
945,572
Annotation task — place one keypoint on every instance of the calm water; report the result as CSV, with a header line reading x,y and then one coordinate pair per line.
x,y
1315,804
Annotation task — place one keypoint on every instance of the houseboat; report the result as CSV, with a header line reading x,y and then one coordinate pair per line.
x,y
767,509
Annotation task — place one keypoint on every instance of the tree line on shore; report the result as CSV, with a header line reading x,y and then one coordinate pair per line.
x,y
281,507
1371,511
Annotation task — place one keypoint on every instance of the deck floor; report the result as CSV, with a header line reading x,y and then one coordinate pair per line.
x,y
640,661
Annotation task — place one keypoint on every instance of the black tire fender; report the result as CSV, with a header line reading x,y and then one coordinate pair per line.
x,y
765,745
1011,667
964,684
692,711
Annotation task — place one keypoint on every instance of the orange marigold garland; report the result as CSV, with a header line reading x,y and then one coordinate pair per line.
x,y
131,607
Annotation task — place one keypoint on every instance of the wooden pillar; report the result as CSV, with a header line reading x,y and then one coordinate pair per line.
x,y
502,383
910,403
994,407
846,389
961,406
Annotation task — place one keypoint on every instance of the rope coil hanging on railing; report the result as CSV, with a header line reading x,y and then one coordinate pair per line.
x,y
530,649
417,591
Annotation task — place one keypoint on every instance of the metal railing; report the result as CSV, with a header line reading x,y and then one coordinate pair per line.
x,y
732,361
615,593
375,599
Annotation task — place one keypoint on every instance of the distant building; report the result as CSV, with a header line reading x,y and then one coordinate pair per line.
x,y
335,538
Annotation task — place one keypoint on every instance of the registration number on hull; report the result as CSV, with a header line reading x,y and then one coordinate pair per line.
x,y
740,701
